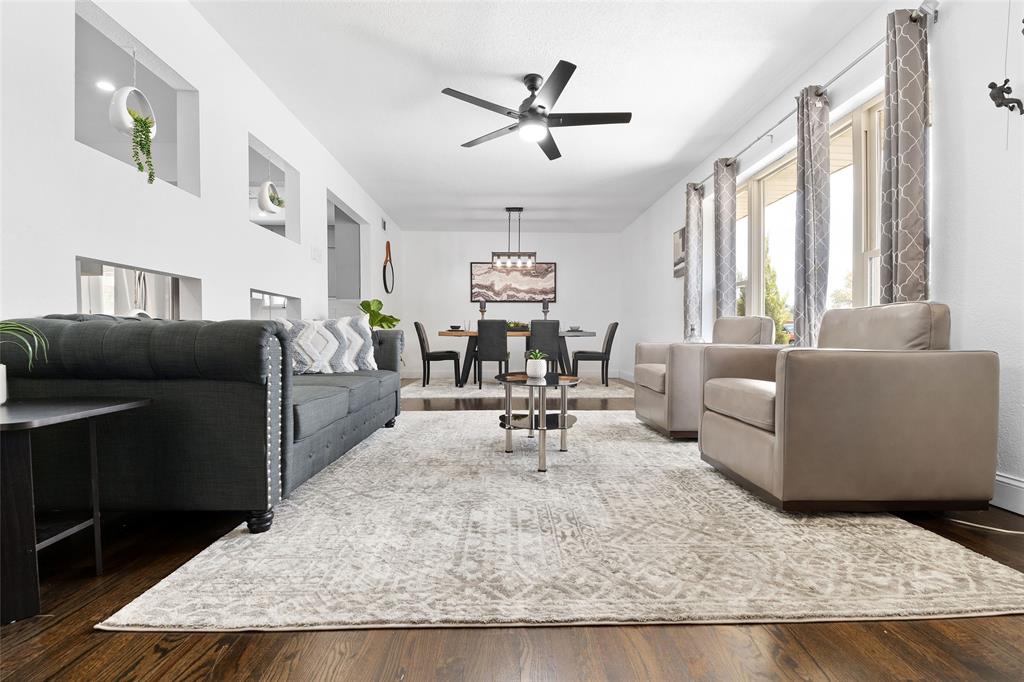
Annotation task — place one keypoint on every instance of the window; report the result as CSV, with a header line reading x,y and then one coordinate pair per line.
x,y
264,305
742,244
766,226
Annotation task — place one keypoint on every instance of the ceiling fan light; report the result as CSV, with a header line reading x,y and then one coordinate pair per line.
x,y
532,130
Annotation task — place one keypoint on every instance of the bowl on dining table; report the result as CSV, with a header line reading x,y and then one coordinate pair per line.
x,y
455,327
574,328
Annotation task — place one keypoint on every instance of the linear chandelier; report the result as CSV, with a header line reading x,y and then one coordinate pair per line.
x,y
510,258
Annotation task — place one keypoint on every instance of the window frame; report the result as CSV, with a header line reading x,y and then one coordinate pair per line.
x,y
867,123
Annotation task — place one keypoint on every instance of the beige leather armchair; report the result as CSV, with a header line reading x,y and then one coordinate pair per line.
x,y
667,376
881,416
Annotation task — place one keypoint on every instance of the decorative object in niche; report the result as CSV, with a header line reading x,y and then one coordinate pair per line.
x,y
378,320
137,119
265,199
679,252
142,147
388,271
998,95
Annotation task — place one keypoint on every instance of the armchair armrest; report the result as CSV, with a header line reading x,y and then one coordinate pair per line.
x,y
651,353
747,362
877,425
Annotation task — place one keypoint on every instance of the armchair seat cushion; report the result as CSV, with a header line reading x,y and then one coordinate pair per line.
x,y
314,407
651,376
751,401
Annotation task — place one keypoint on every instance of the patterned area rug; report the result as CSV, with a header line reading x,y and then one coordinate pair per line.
x,y
432,524
446,388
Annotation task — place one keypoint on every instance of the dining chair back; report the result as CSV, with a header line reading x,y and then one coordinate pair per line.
x,y
491,346
544,337
609,338
421,334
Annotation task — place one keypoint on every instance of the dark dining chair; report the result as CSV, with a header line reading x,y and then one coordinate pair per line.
x,y
603,356
491,346
544,337
428,356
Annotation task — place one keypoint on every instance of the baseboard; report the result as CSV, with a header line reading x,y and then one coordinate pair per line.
x,y
1009,493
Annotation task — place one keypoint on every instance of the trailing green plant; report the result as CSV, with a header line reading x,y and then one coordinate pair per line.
x,y
275,198
25,337
142,144
516,325
378,320
536,354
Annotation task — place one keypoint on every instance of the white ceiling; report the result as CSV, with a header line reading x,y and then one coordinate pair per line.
x,y
366,79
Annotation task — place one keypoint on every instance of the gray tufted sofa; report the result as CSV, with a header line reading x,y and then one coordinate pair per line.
x,y
230,427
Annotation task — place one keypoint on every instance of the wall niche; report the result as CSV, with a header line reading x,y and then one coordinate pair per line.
x,y
109,61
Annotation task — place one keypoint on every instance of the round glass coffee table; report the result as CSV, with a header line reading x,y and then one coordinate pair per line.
x,y
537,420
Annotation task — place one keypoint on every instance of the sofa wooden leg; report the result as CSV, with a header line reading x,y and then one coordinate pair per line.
x,y
390,424
260,521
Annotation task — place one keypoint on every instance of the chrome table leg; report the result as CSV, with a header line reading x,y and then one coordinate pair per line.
x,y
542,441
531,411
565,431
508,417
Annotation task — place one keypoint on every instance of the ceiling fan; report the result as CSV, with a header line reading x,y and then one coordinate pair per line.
x,y
534,116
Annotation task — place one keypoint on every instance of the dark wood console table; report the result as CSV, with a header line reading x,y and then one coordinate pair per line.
x,y
20,538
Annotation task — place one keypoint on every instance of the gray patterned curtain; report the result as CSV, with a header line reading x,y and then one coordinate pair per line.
x,y
812,214
694,277
904,248
725,237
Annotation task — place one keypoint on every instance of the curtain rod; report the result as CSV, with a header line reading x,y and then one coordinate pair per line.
x,y
928,9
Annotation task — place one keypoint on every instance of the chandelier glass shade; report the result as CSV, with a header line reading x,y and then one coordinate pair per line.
x,y
509,258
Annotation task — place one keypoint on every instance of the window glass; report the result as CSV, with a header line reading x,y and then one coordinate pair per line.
x,y
779,195
742,246
841,191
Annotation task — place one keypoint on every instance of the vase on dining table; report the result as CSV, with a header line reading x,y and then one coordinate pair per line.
x,y
536,369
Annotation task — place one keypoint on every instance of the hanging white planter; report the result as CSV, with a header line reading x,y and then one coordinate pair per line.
x,y
263,198
120,119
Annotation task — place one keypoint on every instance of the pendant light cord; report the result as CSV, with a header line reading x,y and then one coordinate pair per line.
x,y
134,65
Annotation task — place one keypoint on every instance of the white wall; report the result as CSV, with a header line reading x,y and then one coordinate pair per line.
x,y
978,207
977,195
62,199
435,268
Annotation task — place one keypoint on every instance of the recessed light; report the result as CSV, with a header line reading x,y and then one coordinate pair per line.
x,y
105,86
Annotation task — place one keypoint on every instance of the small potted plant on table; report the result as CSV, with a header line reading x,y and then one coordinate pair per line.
x,y
536,364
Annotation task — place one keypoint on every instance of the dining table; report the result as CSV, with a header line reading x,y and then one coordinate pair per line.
x,y
470,335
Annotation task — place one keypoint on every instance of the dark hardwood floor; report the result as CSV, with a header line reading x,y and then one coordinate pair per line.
x,y
142,549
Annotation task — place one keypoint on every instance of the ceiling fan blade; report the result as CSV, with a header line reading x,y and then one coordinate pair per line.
x,y
491,136
549,147
491,106
554,85
565,120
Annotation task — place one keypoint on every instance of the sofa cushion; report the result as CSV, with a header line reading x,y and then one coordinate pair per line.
x,y
363,390
749,400
314,407
651,376
390,382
